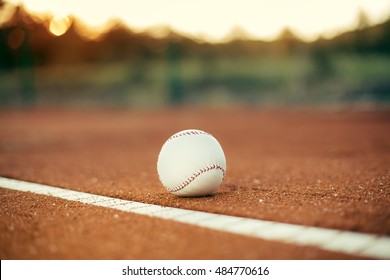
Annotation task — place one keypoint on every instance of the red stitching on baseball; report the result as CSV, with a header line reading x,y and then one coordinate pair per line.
x,y
187,133
197,174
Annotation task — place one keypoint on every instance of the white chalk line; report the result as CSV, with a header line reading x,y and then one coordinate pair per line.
x,y
360,244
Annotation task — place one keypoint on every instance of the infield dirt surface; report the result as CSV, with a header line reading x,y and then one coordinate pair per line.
x,y
314,167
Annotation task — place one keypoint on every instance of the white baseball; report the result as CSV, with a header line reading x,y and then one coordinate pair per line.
x,y
191,163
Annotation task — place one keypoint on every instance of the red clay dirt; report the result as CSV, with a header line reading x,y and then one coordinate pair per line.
x,y
319,168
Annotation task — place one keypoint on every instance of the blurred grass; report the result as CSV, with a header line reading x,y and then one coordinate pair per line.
x,y
307,78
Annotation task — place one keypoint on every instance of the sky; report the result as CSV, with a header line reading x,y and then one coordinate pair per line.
x,y
212,20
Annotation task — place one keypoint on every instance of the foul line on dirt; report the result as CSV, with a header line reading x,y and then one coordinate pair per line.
x,y
365,245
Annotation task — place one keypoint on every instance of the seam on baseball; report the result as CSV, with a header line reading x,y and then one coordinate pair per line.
x,y
197,174
187,133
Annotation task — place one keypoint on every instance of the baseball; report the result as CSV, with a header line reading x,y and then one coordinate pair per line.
x,y
191,163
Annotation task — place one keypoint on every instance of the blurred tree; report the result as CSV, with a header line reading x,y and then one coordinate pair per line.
x,y
238,33
383,38
6,55
287,42
362,38
322,66
25,64
17,53
363,21
176,94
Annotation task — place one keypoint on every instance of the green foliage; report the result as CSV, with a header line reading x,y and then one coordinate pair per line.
x,y
259,80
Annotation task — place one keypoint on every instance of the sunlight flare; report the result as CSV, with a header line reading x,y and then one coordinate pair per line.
x,y
59,25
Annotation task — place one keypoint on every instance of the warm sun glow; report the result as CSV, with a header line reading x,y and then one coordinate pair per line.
x,y
59,26
213,19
